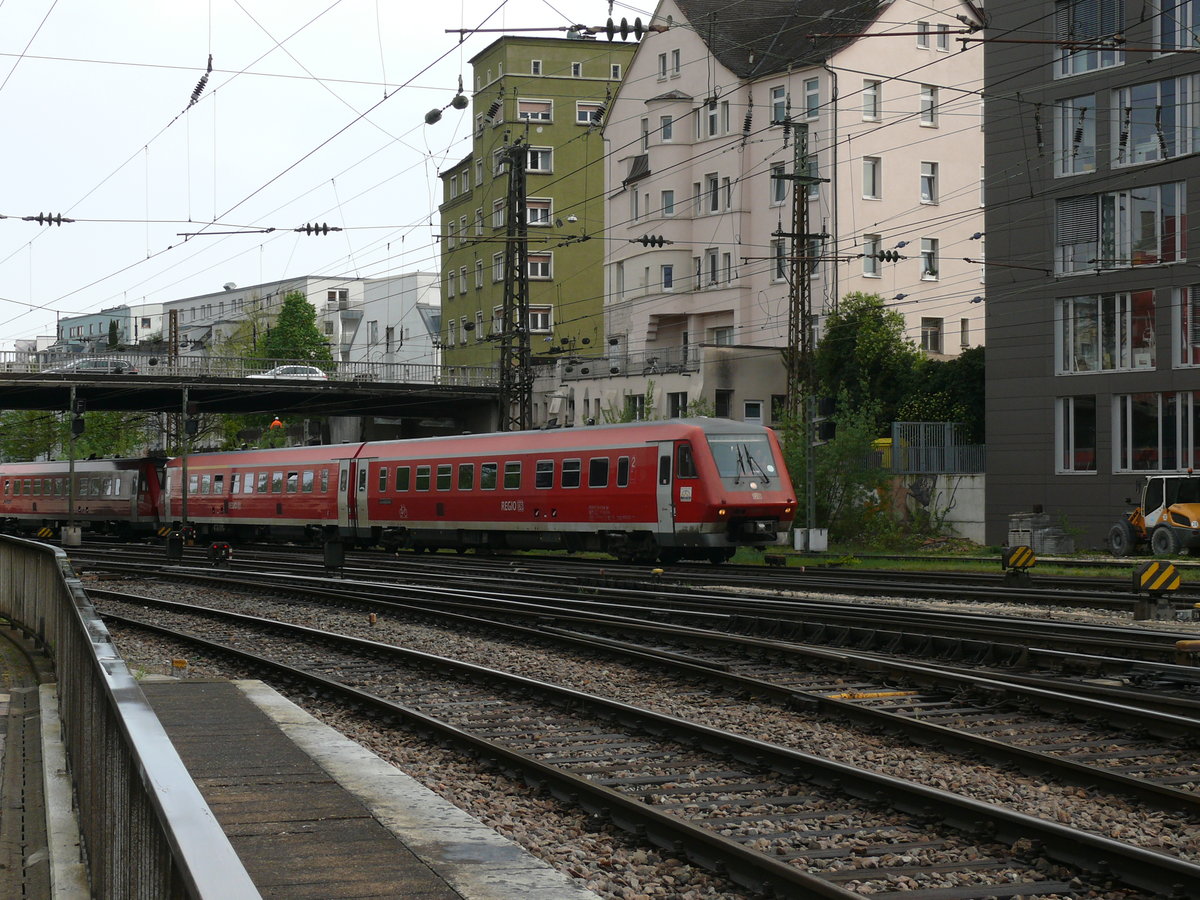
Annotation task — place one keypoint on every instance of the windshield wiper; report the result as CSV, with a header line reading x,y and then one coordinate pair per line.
x,y
753,464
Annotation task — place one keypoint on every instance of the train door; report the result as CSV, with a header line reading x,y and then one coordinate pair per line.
x,y
666,488
362,516
347,511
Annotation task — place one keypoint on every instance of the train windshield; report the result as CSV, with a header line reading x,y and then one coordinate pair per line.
x,y
743,456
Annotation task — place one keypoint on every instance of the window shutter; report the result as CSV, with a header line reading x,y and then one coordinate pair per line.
x,y
1076,220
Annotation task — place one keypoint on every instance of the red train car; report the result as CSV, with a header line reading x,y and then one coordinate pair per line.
x,y
697,488
121,497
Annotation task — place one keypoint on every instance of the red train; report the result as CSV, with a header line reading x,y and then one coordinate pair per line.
x,y
690,488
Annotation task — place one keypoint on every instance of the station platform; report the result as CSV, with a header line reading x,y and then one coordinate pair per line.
x,y
314,815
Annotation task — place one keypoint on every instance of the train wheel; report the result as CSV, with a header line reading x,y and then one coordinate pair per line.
x,y
669,557
717,557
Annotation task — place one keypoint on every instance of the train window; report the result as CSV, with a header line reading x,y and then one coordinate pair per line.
x,y
445,472
512,476
403,474
487,476
262,482
37,487
306,481
685,465
276,482
622,471
543,474
362,480
218,485
383,472
193,484
342,481
205,483
235,486
466,476
423,478
106,488
570,472
598,472
96,486
293,482
664,469
324,480
7,486
28,487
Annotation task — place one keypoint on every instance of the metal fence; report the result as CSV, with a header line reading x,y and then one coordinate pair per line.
x,y
932,448
147,831
240,367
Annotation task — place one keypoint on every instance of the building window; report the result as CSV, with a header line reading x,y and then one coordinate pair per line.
x,y
871,97
668,203
645,135
871,248
451,333
1105,333
778,105
676,404
929,186
1140,227
1155,121
667,277
449,281
1155,432
931,335
964,333
537,211
535,110
923,35
675,63
812,98
479,335
1176,25
943,38
588,113
1094,23
497,267
666,129
540,265
478,172
712,191
462,280
498,219
723,405
451,231
1187,325
779,185
535,67
929,105
779,252
662,67
576,70
478,274
478,222
614,71
1076,434
712,267
929,259
540,318
541,160
872,178
1075,135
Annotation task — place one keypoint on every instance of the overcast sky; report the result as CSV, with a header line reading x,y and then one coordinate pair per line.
x,y
292,126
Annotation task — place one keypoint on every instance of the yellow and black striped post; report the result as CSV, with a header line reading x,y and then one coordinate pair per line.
x,y
1017,561
45,532
1154,579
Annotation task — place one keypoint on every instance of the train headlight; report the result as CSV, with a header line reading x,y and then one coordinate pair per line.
x,y
1195,524
720,512
754,485
787,510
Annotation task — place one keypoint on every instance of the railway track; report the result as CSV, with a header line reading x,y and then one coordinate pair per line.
x,y
773,818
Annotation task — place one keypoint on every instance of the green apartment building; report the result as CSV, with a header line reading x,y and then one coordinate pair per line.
x,y
549,93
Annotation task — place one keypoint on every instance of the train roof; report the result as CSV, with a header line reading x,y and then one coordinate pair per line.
x,y
61,466
584,437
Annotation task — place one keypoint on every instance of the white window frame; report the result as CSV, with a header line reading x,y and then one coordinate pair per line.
x,y
535,110
539,211
929,183
779,104
929,106
1154,144
1104,333
923,35
812,98
540,265
535,67
930,261
872,246
667,203
544,155
872,106
1066,438
1075,146
872,178
585,110
541,319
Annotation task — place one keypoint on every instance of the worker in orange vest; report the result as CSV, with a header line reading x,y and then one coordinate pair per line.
x,y
276,423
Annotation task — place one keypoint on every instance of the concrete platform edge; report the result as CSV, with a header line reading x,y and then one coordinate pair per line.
x,y
475,860
68,875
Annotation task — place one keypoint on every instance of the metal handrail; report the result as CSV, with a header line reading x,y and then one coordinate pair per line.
x,y
146,828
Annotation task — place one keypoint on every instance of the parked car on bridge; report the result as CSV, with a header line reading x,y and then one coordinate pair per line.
x,y
95,365
308,373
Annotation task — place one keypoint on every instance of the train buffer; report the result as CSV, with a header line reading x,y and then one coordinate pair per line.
x,y
1016,562
1156,580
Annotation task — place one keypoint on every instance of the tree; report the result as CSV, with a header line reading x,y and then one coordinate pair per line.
x,y
295,334
949,390
864,358
29,434
33,434
114,335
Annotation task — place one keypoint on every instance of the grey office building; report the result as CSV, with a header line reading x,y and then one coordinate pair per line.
x,y
1092,122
